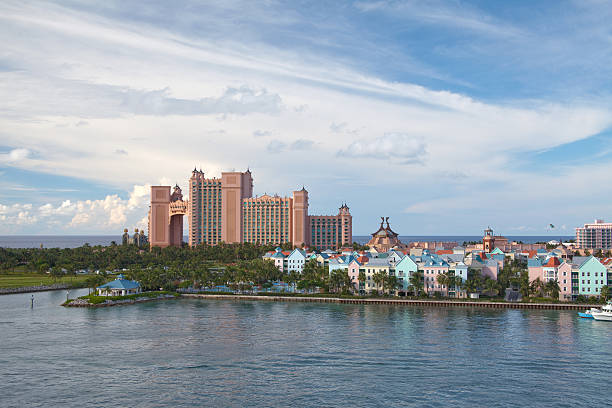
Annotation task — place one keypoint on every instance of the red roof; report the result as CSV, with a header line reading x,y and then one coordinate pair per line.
x,y
532,254
606,261
445,252
553,261
363,259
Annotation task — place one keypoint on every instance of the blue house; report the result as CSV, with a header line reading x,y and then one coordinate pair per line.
x,y
296,260
119,287
403,270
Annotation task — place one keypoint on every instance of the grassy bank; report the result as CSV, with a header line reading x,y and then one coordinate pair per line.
x,y
20,279
96,300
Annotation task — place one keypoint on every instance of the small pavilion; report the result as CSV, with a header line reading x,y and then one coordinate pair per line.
x,y
119,287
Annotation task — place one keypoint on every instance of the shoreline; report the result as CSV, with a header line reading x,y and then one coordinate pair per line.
x,y
122,302
403,302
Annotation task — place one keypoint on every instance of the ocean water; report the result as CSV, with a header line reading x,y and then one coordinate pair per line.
x,y
73,241
192,352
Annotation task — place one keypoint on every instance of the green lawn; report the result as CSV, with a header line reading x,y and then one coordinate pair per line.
x,y
17,280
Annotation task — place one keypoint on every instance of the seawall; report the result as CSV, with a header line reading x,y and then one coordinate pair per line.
x,y
40,288
404,302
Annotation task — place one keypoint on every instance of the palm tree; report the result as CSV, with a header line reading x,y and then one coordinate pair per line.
x,y
362,278
472,285
379,278
536,287
444,280
491,286
605,292
416,283
392,282
552,288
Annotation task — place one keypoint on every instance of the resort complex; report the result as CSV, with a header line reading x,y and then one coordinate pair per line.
x,y
224,210
392,267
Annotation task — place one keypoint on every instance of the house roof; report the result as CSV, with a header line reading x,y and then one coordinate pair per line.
x,y
577,261
533,263
553,261
378,262
120,283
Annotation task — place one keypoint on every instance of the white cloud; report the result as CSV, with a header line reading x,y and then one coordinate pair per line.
x,y
261,133
108,214
399,147
199,99
15,156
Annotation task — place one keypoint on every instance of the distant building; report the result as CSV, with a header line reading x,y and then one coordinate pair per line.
x,y
597,235
225,210
139,238
385,238
166,216
491,241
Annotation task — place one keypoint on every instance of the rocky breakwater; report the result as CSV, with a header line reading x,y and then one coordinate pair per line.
x,y
99,301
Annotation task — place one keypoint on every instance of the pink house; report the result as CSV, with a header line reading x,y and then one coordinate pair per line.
x,y
490,269
353,270
552,268
430,278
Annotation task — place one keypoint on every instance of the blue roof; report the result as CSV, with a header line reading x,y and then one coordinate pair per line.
x,y
533,262
121,283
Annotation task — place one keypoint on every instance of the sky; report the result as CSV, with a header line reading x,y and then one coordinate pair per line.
x,y
446,116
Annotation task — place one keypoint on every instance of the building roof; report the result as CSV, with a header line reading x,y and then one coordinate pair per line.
x,y
120,283
553,261
533,263
577,261
378,262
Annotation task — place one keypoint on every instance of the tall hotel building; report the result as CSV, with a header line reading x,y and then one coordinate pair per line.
x,y
597,235
224,210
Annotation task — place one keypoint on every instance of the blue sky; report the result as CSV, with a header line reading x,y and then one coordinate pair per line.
x,y
446,116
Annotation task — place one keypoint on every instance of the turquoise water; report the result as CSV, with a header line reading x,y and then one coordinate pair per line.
x,y
192,352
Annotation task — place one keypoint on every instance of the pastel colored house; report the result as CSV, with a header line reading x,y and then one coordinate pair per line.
x,y
460,271
588,276
394,257
403,271
374,266
296,260
353,270
490,268
432,266
278,257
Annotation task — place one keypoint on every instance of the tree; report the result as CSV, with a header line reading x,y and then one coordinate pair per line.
x,y
444,280
605,292
362,278
392,282
552,289
524,284
416,282
379,278
536,287
491,286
